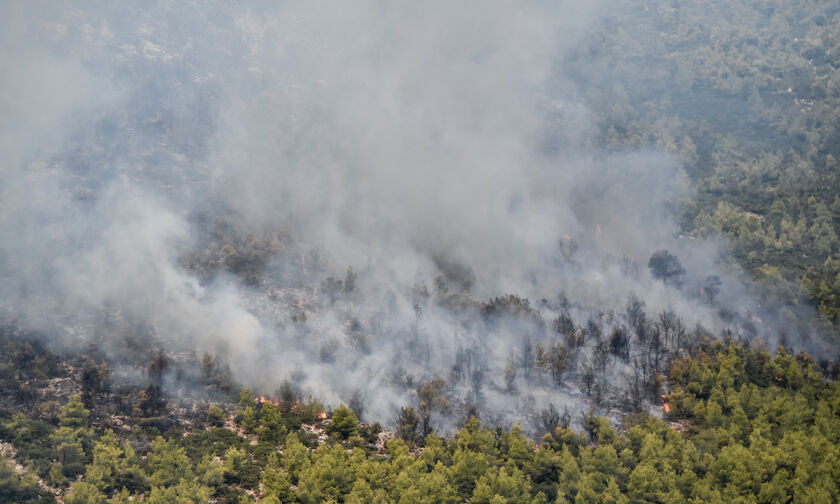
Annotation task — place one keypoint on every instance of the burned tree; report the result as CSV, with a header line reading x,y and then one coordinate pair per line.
x,y
217,376
620,343
96,380
563,324
477,378
289,397
711,288
587,377
553,359
157,367
462,368
357,403
593,328
527,356
151,406
510,377
549,419
673,331
635,313
651,359
349,280
332,287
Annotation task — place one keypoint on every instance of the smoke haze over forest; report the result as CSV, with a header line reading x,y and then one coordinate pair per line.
x,y
200,177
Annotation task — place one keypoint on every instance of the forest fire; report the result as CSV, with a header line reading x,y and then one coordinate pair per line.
x,y
322,415
665,404
263,399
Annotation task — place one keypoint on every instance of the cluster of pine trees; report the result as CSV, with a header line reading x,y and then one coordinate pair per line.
x,y
742,425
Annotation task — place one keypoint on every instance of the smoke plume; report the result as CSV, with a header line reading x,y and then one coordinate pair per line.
x,y
203,175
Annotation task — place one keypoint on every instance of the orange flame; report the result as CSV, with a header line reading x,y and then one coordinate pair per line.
x,y
322,415
264,399
665,404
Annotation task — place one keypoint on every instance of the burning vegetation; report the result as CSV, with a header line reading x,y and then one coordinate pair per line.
x,y
265,448
515,242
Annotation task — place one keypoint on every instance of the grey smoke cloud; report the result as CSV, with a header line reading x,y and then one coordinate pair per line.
x,y
402,140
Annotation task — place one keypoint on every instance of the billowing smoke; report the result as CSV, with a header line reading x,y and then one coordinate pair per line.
x,y
205,175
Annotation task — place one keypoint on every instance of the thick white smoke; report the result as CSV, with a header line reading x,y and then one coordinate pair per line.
x,y
405,140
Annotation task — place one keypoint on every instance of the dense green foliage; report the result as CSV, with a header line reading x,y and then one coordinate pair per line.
x,y
744,426
17,488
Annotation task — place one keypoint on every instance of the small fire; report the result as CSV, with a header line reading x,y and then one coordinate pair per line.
x,y
665,404
322,415
597,230
264,399
567,237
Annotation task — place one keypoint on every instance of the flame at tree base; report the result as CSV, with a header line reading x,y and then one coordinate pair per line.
x,y
263,399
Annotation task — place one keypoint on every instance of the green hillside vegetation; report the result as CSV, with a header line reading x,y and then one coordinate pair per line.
x,y
746,95
744,426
